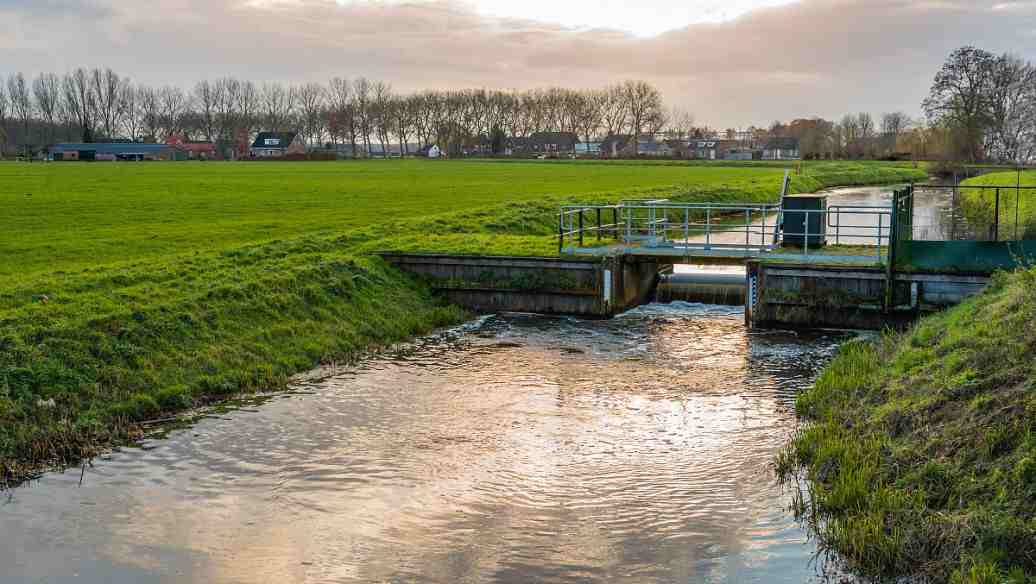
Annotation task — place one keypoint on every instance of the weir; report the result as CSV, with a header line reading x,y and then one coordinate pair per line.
x,y
806,264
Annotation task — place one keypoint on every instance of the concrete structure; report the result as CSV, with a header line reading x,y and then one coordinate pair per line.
x,y
596,288
839,297
277,145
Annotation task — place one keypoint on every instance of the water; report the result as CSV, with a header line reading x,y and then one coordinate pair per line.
x,y
515,449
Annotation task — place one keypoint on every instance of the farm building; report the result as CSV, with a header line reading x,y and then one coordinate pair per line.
x,y
111,151
781,149
276,145
193,150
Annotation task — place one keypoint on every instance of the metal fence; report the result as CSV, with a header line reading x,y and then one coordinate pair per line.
x,y
734,229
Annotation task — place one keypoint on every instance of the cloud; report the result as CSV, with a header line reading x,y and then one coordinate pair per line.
x,y
812,57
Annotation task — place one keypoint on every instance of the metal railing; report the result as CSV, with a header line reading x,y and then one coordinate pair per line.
x,y
739,229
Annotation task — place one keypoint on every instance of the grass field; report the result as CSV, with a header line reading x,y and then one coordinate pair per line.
x,y
921,451
1016,209
128,291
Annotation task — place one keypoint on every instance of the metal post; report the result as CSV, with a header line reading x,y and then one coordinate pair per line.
x,y
805,238
748,222
881,220
996,217
762,237
686,226
598,224
1017,198
615,222
838,227
580,228
561,231
708,228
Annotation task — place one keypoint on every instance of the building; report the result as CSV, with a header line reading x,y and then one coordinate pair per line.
x,y
276,145
553,143
712,149
111,151
193,150
781,149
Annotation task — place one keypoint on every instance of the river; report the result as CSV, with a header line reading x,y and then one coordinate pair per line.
x,y
515,448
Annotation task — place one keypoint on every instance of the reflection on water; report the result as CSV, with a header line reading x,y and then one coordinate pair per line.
x,y
515,449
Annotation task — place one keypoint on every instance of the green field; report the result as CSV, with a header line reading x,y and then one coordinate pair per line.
x,y
1016,208
128,291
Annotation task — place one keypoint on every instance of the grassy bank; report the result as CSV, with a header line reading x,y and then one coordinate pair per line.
x,y
129,291
920,453
1016,208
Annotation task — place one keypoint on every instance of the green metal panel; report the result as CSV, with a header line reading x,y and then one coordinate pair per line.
x,y
971,257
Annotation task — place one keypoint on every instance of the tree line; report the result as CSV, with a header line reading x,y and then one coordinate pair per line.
x,y
101,105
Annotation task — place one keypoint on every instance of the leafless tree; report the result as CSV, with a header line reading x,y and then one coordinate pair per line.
x,y
21,103
207,95
47,90
364,118
79,99
174,105
312,103
644,105
615,112
150,111
278,104
959,98
1012,109
4,108
247,107
106,87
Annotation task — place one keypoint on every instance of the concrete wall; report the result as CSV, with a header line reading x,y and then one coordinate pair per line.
x,y
809,297
597,287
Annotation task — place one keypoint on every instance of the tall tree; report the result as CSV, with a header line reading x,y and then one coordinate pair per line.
x,y
79,99
644,104
959,98
106,87
21,104
47,90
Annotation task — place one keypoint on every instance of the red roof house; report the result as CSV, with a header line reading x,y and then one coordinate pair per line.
x,y
194,150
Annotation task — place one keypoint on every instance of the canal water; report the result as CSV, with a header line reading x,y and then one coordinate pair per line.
x,y
513,449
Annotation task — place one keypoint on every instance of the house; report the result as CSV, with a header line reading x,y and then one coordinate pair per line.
x,y
111,151
192,150
712,149
276,145
781,149
653,149
553,143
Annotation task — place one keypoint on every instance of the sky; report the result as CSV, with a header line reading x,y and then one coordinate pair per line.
x,y
731,63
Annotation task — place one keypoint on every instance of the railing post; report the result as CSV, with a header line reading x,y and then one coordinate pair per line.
x,y
580,227
805,236
686,226
598,224
748,223
996,217
708,228
615,223
561,232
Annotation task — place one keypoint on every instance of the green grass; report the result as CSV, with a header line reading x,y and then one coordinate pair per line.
x,y
920,451
129,291
1016,208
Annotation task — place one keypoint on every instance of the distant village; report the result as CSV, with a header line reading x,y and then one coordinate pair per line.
x,y
543,145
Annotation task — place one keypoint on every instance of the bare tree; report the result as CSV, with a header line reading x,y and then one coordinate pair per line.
x,y
615,112
21,104
47,90
4,108
644,105
277,105
893,124
174,106
79,99
1012,108
132,113
312,102
206,97
150,111
342,121
106,87
590,113
247,108
959,98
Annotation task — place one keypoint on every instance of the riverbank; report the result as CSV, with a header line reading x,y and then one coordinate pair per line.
x,y
88,351
1017,210
920,456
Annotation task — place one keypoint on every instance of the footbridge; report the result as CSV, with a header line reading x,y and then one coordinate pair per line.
x,y
799,262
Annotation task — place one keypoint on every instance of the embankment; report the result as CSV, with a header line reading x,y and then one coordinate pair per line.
x,y
920,453
86,355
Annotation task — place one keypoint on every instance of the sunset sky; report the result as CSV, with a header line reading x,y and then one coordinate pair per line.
x,y
729,62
